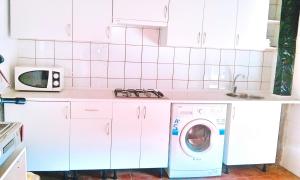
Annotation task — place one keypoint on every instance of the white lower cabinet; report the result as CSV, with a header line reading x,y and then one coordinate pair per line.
x,y
46,133
140,135
252,133
90,135
14,168
155,135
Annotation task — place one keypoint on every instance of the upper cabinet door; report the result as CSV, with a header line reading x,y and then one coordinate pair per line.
x,y
41,19
92,20
252,22
219,23
141,12
185,24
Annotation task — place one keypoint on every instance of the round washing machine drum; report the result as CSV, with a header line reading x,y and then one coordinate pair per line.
x,y
196,137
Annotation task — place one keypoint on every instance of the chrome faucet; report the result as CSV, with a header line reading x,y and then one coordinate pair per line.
x,y
234,87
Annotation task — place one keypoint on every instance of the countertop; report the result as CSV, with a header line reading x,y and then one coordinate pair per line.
x,y
173,96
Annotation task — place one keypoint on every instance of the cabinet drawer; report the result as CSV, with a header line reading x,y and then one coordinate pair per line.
x,y
86,110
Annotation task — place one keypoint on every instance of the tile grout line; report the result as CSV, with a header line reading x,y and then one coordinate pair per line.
x,y
189,67
90,44
35,52
204,67
72,47
173,63
142,50
107,65
248,69
125,61
54,52
220,58
157,59
262,70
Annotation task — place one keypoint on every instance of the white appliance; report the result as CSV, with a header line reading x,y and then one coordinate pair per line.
x,y
36,78
197,139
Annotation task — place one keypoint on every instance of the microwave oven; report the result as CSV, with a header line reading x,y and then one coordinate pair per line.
x,y
35,78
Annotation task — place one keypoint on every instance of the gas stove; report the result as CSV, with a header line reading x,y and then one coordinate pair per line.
x,y
138,93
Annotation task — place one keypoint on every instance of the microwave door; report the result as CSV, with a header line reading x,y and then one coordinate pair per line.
x,y
35,79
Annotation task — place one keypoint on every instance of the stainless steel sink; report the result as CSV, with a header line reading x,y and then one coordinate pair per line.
x,y
244,96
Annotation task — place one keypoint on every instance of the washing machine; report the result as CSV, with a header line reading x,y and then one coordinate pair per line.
x,y
196,140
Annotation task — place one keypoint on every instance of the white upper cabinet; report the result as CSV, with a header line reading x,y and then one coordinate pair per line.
x,y
92,20
185,24
141,12
240,24
252,19
41,19
219,23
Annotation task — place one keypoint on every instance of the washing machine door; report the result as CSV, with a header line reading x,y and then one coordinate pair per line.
x,y
196,137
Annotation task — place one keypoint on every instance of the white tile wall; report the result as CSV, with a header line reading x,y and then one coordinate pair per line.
x,y
45,49
197,56
134,59
63,50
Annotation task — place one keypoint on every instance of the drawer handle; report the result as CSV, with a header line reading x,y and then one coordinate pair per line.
x,y
204,38
199,37
237,39
92,110
67,112
233,113
145,111
68,29
108,129
108,32
165,11
138,112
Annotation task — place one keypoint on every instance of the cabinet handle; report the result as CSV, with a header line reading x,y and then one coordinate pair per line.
x,y
237,39
138,112
68,29
107,129
67,112
144,112
107,31
198,37
91,110
204,38
233,113
165,11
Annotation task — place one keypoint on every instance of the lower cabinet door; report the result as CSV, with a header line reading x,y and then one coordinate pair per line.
x,y
155,135
90,141
126,125
46,133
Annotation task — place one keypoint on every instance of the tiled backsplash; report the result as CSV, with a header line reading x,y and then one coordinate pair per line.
x,y
134,59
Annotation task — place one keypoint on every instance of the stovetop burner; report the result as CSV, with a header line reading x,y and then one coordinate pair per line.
x,y
138,93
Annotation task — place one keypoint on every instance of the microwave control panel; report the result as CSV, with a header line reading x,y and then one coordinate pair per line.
x,y
55,79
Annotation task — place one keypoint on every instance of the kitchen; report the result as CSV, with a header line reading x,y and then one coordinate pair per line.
x,y
100,51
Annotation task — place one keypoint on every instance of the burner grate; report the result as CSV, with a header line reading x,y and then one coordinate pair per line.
x,y
138,93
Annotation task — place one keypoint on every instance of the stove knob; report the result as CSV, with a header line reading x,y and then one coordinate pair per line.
x,y
55,75
55,83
